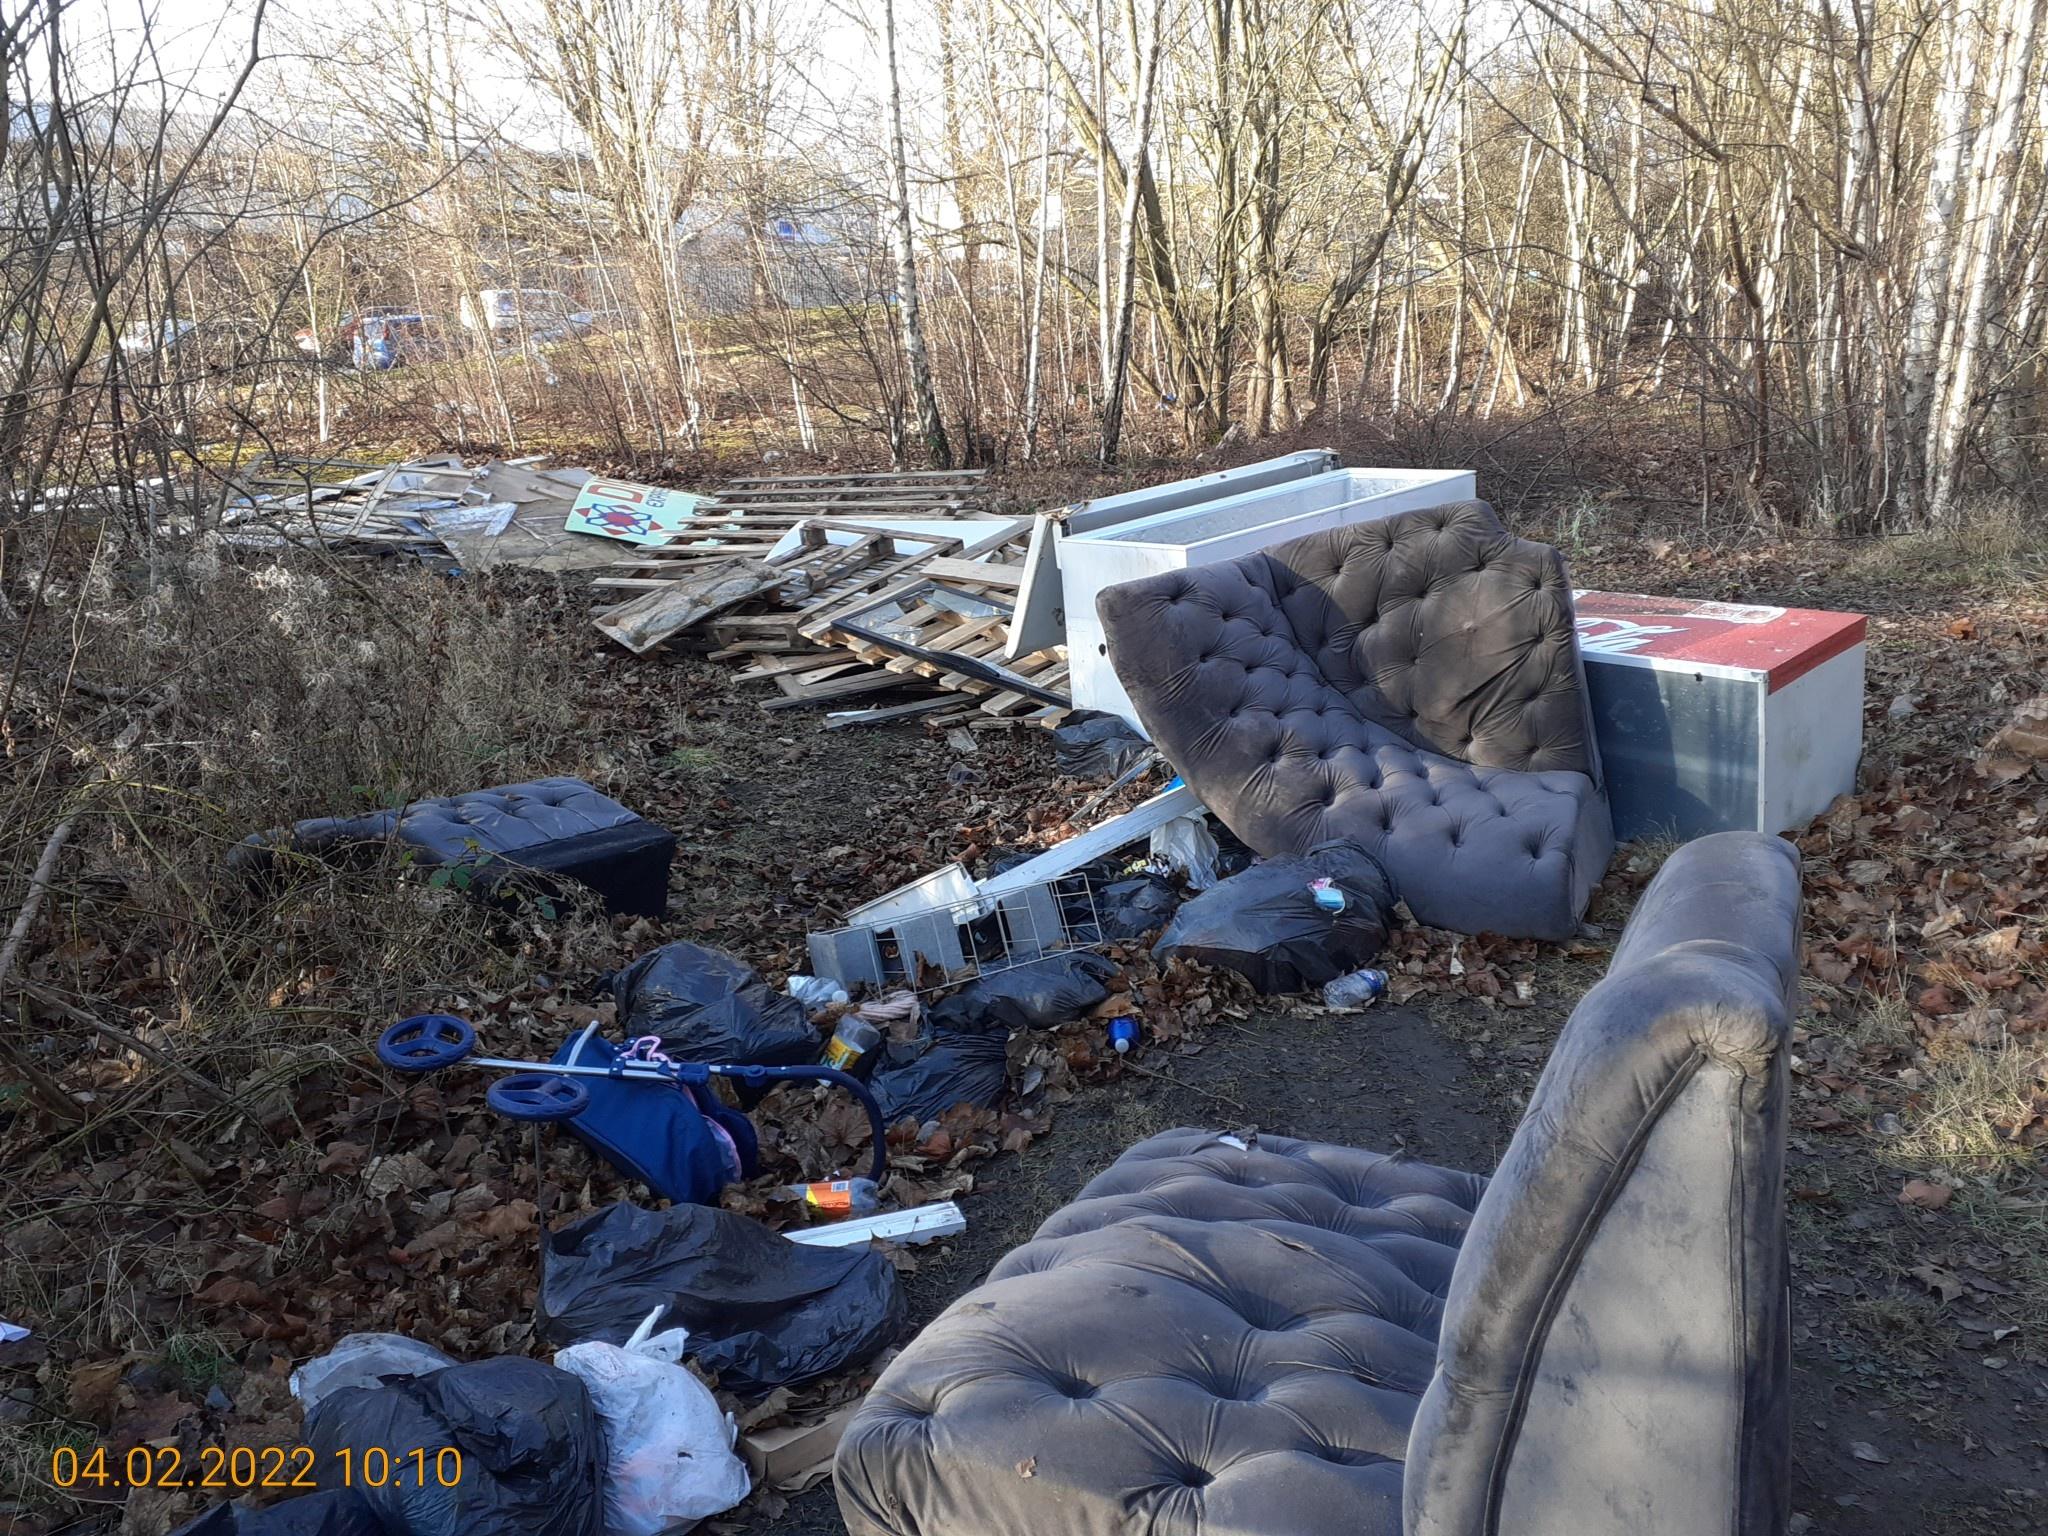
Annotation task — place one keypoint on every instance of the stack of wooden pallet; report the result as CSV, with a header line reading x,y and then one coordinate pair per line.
x,y
839,588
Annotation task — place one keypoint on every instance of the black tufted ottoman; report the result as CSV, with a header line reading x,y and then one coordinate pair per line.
x,y
517,837
1411,684
1250,1335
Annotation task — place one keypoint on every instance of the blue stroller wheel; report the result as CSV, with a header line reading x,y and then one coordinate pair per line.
x,y
426,1042
538,1096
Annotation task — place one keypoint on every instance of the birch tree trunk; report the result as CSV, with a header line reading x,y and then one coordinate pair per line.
x,y
910,323
1113,400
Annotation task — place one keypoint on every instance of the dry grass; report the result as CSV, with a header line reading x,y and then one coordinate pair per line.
x,y
1973,1101
300,690
1996,543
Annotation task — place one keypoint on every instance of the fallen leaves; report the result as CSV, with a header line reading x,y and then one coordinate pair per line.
x,y
1925,1194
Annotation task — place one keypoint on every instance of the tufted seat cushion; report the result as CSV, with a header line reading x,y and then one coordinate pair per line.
x,y
513,835
1412,684
1248,1335
1281,1299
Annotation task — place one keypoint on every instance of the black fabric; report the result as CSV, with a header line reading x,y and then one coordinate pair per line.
x,y
1412,684
510,838
1266,925
1248,1335
532,1450
1121,909
761,1311
707,1005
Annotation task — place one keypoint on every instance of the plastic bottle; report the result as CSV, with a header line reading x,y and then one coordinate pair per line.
x,y
815,992
1358,990
853,1039
835,1197
1123,1034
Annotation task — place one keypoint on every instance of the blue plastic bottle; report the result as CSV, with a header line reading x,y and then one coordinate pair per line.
x,y
1123,1034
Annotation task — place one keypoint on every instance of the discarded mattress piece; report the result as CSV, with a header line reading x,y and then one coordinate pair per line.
x,y
1412,684
1256,1334
1272,925
521,837
762,1312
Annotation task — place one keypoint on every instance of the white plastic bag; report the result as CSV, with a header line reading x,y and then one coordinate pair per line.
x,y
362,1360
1185,845
669,1451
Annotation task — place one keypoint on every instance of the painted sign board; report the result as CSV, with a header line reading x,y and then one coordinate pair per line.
x,y
634,514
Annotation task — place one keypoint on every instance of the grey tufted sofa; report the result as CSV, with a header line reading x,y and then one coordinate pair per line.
x,y
1255,1336
1412,684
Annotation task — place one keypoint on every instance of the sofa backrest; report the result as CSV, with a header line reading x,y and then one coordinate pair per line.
x,y
1614,1352
1436,626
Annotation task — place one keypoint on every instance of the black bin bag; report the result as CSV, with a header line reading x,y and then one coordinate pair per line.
x,y
338,1512
1039,994
530,1447
707,1005
762,1312
924,1078
1265,923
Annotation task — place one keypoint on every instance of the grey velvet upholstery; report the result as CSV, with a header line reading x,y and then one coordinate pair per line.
x,y
1246,1335
1412,684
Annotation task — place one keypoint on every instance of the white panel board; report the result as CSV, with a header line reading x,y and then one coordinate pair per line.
x,y
1224,529
1040,619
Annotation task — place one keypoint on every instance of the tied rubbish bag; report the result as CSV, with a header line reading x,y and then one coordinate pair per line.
x,y
924,1078
529,1443
1268,925
668,1447
1040,994
707,1005
761,1312
1094,745
338,1512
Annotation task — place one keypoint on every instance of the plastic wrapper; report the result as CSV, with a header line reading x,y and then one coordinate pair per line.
x,y
669,1456
707,1005
761,1311
529,1451
1266,925
364,1360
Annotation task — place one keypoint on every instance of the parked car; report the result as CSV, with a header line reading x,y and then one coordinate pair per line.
x,y
215,345
396,341
542,314
341,340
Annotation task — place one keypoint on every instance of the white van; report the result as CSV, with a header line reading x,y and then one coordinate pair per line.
x,y
545,314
